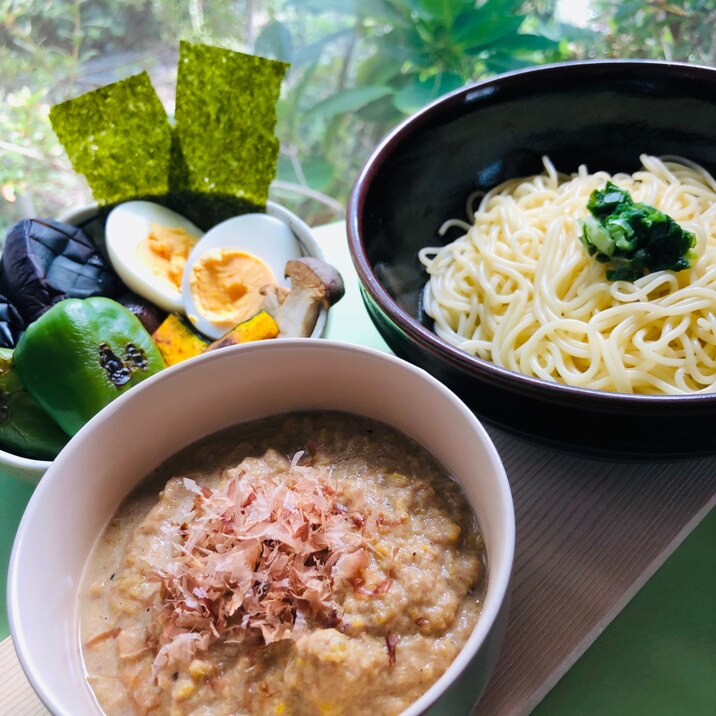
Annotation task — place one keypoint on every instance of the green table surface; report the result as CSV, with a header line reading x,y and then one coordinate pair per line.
x,y
658,656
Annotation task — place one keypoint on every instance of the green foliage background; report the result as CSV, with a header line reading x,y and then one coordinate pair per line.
x,y
358,68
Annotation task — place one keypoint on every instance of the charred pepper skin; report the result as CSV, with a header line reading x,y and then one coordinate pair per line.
x,y
25,428
82,354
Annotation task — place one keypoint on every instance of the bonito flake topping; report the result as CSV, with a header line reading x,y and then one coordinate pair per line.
x,y
263,553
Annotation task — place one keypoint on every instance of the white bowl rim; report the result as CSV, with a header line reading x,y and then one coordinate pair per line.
x,y
499,574
31,470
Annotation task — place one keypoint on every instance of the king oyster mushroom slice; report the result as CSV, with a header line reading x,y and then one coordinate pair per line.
x,y
314,284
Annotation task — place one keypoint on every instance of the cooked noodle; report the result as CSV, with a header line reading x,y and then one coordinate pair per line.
x,y
520,290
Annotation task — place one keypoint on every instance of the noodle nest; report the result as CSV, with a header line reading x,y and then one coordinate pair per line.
x,y
519,289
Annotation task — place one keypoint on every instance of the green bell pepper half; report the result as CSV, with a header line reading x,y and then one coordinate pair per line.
x,y
81,354
25,428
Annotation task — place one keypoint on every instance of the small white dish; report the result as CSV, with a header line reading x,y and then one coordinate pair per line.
x,y
31,471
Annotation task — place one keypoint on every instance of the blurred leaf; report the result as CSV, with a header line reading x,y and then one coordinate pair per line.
x,y
382,10
318,172
414,5
501,7
444,9
285,170
348,101
675,10
421,92
559,31
288,108
475,30
321,6
381,112
311,53
506,62
627,9
275,42
526,43
331,136
379,69
404,44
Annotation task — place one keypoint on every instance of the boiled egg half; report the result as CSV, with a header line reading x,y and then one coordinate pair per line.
x,y
148,246
228,267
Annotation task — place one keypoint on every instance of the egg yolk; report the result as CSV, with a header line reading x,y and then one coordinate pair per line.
x,y
165,251
225,285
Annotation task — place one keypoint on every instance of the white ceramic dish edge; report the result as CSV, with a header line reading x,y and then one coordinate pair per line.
x,y
36,619
29,470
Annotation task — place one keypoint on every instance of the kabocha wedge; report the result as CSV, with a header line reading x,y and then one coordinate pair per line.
x,y
82,354
177,340
257,328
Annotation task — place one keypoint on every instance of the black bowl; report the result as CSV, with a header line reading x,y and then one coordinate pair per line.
x,y
602,113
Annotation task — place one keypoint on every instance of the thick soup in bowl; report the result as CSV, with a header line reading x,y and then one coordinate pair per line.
x,y
311,563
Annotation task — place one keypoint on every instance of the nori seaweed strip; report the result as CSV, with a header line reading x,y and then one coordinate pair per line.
x,y
225,117
119,137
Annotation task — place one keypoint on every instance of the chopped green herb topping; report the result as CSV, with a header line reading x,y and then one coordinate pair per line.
x,y
635,239
119,137
225,118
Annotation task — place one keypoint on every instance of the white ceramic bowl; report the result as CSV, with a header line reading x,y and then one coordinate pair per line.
x,y
31,471
119,446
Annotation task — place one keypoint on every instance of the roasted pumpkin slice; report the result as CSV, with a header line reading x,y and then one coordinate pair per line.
x,y
177,340
257,328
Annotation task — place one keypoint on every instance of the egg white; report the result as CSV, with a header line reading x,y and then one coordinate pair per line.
x,y
261,235
127,226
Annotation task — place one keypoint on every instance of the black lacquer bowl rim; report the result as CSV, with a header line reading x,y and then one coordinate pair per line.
x,y
374,292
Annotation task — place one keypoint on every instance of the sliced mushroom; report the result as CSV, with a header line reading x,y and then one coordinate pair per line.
x,y
314,284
